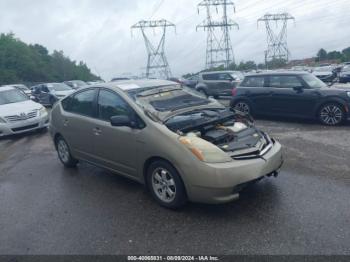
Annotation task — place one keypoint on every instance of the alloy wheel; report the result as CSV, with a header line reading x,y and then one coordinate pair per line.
x,y
331,115
242,107
63,151
163,185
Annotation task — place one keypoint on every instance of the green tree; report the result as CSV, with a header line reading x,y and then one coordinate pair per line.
x,y
321,55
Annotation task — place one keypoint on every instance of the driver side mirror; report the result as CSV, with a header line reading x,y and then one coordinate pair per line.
x,y
122,121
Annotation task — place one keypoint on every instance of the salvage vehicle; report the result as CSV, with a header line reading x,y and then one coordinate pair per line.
x,y
19,114
325,73
181,145
218,83
48,94
291,94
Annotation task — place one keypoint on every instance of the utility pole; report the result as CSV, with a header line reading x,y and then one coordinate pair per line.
x,y
277,47
219,47
157,63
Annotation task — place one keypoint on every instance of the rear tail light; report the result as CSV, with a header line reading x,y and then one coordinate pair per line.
x,y
234,91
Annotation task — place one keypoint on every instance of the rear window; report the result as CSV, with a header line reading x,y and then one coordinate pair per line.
x,y
253,81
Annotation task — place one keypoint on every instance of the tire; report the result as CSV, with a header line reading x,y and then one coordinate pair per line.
x,y
166,185
243,107
331,114
64,154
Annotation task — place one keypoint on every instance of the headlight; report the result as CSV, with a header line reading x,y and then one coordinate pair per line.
x,y
42,111
204,150
2,121
348,93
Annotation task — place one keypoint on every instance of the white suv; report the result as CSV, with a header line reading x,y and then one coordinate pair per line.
x,y
19,114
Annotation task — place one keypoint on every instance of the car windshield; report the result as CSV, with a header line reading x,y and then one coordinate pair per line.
x,y
58,87
313,81
22,87
167,98
12,96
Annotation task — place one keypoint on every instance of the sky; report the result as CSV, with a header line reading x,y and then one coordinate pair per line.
x,y
98,31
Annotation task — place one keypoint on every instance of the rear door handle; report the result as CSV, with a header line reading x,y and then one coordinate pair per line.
x,y
65,122
97,131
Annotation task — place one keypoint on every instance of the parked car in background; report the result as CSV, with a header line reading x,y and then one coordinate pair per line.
x,y
181,145
325,73
191,81
19,114
344,75
48,94
292,94
76,84
218,83
115,79
22,88
95,82
175,79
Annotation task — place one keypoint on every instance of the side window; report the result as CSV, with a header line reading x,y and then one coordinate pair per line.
x,y
225,76
254,81
211,77
110,104
81,103
285,81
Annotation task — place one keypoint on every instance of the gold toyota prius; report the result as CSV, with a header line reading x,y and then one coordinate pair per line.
x,y
181,145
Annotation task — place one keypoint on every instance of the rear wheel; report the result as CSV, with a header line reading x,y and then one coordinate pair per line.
x,y
331,114
243,107
166,185
64,153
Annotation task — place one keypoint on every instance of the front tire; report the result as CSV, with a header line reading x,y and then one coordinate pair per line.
x,y
202,91
166,185
64,154
331,114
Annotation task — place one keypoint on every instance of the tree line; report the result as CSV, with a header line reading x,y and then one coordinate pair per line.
x,y
23,63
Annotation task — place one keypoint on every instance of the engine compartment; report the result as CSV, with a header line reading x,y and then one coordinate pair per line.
x,y
226,130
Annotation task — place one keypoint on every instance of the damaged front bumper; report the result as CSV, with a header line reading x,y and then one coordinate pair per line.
x,y
220,183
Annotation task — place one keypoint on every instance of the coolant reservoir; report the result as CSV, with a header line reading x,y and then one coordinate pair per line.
x,y
237,127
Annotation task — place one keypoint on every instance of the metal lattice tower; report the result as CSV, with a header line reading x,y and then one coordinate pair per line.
x,y
157,63
219,46
277,47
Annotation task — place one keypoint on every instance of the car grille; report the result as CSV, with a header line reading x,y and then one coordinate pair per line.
x,y
18,129
22,117
266,144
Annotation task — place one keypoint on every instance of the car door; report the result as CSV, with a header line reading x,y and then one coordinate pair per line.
x,y
44,95
115,147
78,119
255,89
224,84
290,96
210,81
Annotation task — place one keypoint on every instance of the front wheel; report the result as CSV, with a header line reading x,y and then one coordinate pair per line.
x,y
166,185
331,114
202,91
64,154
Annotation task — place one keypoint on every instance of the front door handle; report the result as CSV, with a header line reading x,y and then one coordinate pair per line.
x,y
97,131
65,122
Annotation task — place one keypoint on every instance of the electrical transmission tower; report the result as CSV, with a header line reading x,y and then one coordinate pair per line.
x,y
277,47
219,46
157,63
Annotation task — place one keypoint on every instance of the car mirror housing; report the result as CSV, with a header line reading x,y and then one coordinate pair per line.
x,y
122,121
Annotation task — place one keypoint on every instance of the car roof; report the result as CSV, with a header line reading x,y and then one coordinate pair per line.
x,y
219,72
7,87
279,73
136,84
